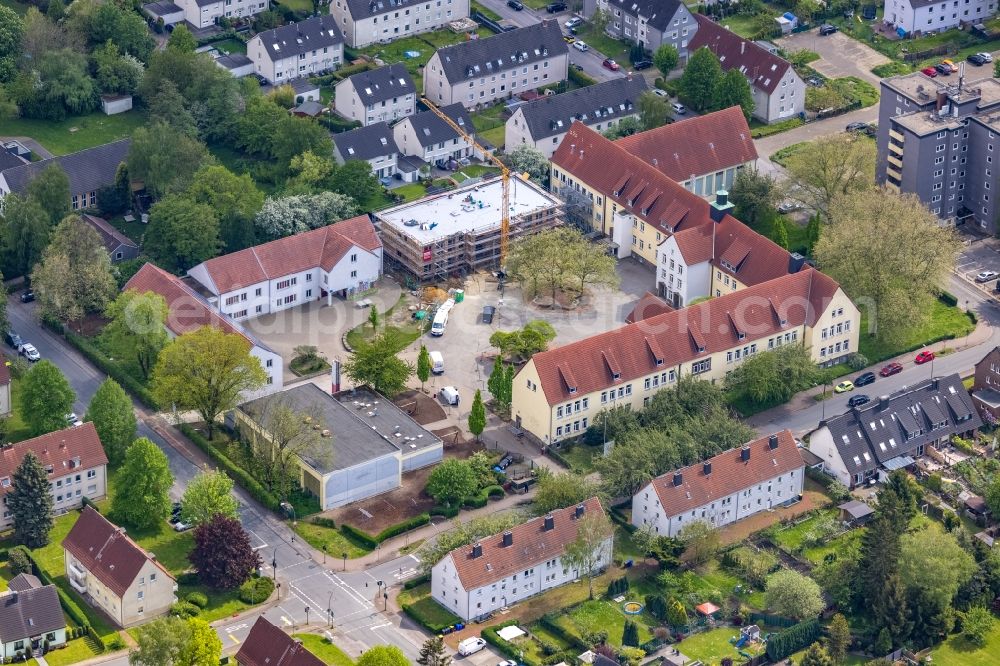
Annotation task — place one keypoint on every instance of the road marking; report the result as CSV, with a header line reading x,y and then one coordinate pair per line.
x,y
287,622
415,558
351,592
235,640
380,626
236,627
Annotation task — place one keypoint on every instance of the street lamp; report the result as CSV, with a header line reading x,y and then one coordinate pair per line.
x,y
324,553
385,599
307,616
329,609
344,555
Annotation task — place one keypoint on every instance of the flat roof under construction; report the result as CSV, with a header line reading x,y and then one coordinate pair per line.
x,y
470,209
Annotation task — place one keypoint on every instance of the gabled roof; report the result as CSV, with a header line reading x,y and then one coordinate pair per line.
x,y
695,146
800,299
729,473
267,645
658,13
290,40
362,9
62,453
106,551
24,581
477,58
88,170
431,130
531,544
322,248
366,143
28,613
650,305
550,115
761,67
110,237
749,256
647,193
378,85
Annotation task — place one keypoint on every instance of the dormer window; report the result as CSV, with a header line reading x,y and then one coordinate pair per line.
x,y
616,376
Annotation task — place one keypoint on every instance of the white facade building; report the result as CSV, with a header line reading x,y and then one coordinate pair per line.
x,y
385,94
430,139
298,49
926,16
365,22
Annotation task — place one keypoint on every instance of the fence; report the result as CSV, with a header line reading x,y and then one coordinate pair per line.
x,y
923,55
772,620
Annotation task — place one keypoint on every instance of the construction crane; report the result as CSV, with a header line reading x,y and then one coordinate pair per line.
x,y
504,174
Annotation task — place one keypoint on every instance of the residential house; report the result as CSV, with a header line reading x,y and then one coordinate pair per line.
x,y
542,123
365,22
702,153
649,23
169,12
761,475
373,144
867,442
385,94
558,392
87,170
986,386
342,259
366,443
501,570
236,64
267,645
5,404
189,310
778,92
480,71
309,47
204,13
119,246
74,460
430,139
31,619
917,17
113,573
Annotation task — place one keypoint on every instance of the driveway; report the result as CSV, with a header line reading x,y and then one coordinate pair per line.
x,y
840,55
808,132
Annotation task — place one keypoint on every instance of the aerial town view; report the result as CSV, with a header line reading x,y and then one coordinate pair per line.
x,y
500,332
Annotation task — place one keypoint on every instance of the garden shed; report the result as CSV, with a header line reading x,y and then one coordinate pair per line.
x,y
708,609
855,512
114,104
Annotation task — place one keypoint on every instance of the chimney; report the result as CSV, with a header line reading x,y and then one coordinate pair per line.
x,y
935,382
508,538
772,442
549,523
745,453
721,206
707,467
580,510
477,550
678,478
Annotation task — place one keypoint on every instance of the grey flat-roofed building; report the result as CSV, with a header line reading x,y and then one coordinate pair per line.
x,y
236,64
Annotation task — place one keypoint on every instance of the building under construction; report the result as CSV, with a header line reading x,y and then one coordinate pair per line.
x,y
458,232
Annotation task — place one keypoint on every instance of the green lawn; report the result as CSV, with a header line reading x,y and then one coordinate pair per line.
x,y
609,46
75,650
625,548
325,650
5,575
956,651
478,170
423,608
76,133
411,191
792,538
601,615
230,45
488,13
426,44
581,457
713,577
298,5
332,541
943,321
711,647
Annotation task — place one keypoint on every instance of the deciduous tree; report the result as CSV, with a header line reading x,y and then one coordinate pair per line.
x,y
234,199
222,553
816,655
653,110
977,623
181,233
58,84
755,194
160,642
50,190
773,376
144,481
30,502
285,216
383,655
666,58
701,542
11,30
734,90
137,327
26,233
113,417
355,179
115,72
74,277
451,481
700,80
204,647
557,490
46,398
182,40
164,160
588,550
377,364
477,415
558,259
830,168
793,595
423,366
529,160
931,559
207,495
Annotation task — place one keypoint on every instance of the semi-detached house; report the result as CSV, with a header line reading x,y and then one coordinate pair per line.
x,y
759,476
292,51
365,22
428,138
504,569
373,144
202,13
385,94
649,23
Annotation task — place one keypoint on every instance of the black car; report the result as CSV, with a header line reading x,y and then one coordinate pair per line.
x,y
858,400
515,5
488,312
827,29
865,379
27,296
14,340
976,59
857,127
554,7
943,69
642,64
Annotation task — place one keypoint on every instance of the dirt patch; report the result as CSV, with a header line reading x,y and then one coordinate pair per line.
x,y
455,443
389,508
90,325
421,407
812,498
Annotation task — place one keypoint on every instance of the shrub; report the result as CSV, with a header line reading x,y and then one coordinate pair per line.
x,y
793,639
184,609
110,368
581,79
857,361
199,599
20,561
234,471
256,590
948,298
325,522
404,526
417,582
362,538
446,511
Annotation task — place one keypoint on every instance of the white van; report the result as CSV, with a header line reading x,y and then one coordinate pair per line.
x,y
437,362
449,394
441,318
471,646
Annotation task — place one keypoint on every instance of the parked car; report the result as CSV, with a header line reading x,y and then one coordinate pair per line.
x,y
890,369
29,352
73,420
27,296
924,357
642,64
554,7
988,57
814,81
449,394
660,93
864,379
678,108
471,646
488,312
844,386
827,29
929,71
942,68
788,207
14,340
581,45
986,276
181,526
952,65
515,5
610,64
573,22
577,67
857,127
569,39
976,59
858,400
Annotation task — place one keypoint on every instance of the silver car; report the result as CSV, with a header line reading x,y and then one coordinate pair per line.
x,y
29,352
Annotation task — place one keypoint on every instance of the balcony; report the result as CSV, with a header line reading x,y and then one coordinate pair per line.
x,y
894,174
896,147
79,585
893,134
895,161
76,572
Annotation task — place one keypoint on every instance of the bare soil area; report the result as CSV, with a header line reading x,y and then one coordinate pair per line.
x,y
421,407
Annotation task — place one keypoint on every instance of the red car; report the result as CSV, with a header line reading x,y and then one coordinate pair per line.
x,y
610,64
923,357
929,71
890,369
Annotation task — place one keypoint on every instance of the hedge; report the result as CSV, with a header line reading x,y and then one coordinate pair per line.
x,y
446,511
549,623
417,582
555,455
404,526
110,368
363,538
415,611
237,473
72,609
775,128
580,78
618,517
948,298
792,640
490,636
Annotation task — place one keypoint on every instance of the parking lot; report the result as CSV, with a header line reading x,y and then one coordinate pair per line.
x,y
976,257
840,55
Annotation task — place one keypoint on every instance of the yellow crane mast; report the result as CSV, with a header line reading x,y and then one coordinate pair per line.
x,y
504,174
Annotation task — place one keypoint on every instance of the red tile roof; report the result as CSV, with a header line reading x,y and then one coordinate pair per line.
x,y
66,451
695,146
695,244
322,247
750,257
106,552
799,298
761,67
648,306
531,544
729,474
267,645
647,193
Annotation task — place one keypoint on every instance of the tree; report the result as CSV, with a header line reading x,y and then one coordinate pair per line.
x,y
373,319
700,80
182,40
977,623
676,614
666,58
19,561
295,136
168,106
309,173
204,648
477,415
292,215
423,365
142,497
123,27
653,110
497,385
526,159
630,634
116,73
181,233
111,412
30,502
937,560
58,84
812,232
734,90
626,126
914,254
773,377
160,642
838,166
755,194
451,481
11,30
50,190
46,398
838,638
701,542
355,179
557,490
222,553
383,655
164,160
794,595
600,20
75,250
525,343
26,233
432,653
376,364
993,496
207,495
589,550
137,328
463,534
560,258
816,655
234,199
116,198
206,370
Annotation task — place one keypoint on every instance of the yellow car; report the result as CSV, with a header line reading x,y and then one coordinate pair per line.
x,y
569,39
843,387
953,66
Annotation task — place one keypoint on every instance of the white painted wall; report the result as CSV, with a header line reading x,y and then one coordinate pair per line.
x,y
408,19
689,282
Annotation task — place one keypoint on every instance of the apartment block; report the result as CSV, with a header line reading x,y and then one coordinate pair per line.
x,y
386,94
649,23
296,50
430,139
917,17
203,13
365,22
